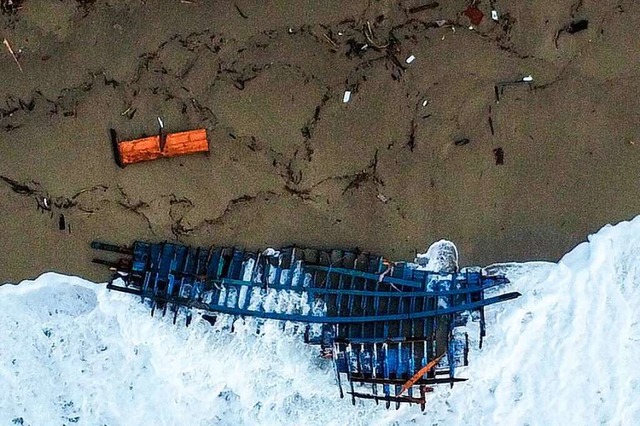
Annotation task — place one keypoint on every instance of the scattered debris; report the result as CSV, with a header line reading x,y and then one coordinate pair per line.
x,y
577,26
494,15
499,88
10,6
474,14
461,142
161,145
347,96
13,55
498,154
19,188
426,6
330,41
240,12
383,198
368,33
572,28
410,59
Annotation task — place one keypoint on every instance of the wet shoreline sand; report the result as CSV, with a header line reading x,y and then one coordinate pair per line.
x,y
290,163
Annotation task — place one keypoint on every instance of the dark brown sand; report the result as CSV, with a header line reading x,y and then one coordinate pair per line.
x,y
290,163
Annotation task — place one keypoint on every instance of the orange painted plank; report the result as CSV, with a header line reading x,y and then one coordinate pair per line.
x,y
146,149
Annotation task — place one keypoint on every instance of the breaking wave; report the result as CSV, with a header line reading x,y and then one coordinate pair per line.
x,y
563,353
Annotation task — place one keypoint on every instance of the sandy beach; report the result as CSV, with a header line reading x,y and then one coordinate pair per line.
x,y
289,161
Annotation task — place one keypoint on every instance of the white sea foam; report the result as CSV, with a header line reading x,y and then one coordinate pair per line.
x,y
563,353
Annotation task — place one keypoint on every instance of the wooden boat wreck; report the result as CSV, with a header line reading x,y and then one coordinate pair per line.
x,y
390,329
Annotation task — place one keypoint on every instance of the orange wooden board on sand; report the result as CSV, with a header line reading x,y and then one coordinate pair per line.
x,y
146,149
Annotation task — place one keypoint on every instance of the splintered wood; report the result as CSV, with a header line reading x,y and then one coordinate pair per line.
x,y
13,55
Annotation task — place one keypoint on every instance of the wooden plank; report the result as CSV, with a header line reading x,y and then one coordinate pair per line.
x,y
146,149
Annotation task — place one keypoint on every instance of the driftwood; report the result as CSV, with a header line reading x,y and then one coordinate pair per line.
x,y
13,55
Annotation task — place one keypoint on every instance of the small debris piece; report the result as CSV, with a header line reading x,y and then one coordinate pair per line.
x,y
383,198
425,102
330,41
461,142
494,15
410,59
240,12
347,96
368,33
441,22
62,225
577,26
13,55
498,154
527,78
474,14
426,6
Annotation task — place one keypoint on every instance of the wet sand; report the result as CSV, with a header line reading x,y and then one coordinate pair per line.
x,y
290,163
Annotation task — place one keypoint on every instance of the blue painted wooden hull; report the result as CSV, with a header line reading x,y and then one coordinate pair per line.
x,y
379,322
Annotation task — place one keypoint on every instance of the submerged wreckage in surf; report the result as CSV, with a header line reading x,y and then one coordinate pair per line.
x,y
392,330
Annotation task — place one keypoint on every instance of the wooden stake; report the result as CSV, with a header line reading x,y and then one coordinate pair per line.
x,y
6,43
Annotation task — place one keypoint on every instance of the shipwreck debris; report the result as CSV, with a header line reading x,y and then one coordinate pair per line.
x,y
13,55
499,87
577,26
389,328
422,8
158,146
474,14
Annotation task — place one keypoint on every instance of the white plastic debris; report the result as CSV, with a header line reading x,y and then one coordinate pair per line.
x,y
527,78
425,102
494,15
411,59
346,97
160,123
383,198
271,252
